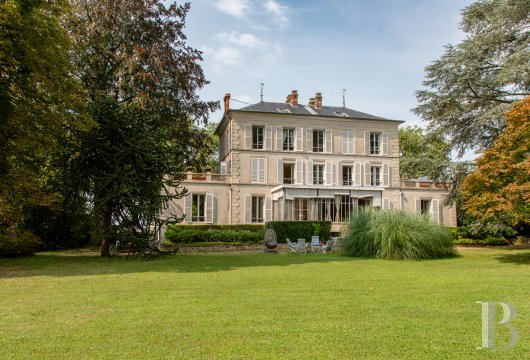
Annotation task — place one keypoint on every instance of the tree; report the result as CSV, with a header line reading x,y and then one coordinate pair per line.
x,y
205,155
141,80
422,154
468,90
40,102
499,191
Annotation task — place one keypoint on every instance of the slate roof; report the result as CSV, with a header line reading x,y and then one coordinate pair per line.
x,y
301,109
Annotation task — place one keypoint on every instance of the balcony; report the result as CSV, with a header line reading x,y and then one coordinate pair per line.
x,y
206,177
415,184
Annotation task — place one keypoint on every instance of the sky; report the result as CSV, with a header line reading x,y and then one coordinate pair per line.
x,y
376,50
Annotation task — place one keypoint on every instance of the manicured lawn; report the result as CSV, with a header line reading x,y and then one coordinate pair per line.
x,y
257,306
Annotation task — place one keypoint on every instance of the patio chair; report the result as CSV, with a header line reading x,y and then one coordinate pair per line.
x,y
328,247
302,246
315,244
292,246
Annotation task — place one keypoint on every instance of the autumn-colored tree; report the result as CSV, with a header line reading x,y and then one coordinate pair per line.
x,y
499,190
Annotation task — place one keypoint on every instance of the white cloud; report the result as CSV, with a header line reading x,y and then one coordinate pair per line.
x,y
245,40
226,55
235,8
279,12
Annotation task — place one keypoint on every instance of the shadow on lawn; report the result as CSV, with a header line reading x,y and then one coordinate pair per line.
x,y
517,258
59,264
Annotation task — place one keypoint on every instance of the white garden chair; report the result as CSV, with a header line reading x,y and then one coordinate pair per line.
x,y
302,246
292,246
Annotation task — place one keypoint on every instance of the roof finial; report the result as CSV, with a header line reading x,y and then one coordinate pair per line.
x,y
343,98
261,96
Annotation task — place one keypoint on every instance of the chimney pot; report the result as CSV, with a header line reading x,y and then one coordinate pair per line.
x,y
292,98
318,100
227,102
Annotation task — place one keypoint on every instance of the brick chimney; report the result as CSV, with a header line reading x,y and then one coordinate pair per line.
x,y
292,98
318,100
227,102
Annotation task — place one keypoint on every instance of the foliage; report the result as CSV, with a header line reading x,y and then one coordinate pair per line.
x,y
191,236
468,90
489,241
422,154
294,230
499,191
142,82
205,149
40,100
17,243
172,230
396,235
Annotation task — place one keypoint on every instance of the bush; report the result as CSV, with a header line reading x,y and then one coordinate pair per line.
x,y
489,241
218,234
396,235
300,229
15,243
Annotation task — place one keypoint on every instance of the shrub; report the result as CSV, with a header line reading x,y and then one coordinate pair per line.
x,y
15,243
191,234
300,229
489,241
396,235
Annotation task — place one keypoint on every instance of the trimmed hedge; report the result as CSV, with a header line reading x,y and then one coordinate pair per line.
x,y
300,229
490,241
219,234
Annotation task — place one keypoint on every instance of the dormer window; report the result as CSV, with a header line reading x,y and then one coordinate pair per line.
x,y
341,114
285,111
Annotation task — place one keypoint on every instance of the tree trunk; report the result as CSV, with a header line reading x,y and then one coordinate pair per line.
x,y
106,222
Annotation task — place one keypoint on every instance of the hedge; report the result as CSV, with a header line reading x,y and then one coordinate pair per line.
x,y
190,234
294,230
489,241
16,243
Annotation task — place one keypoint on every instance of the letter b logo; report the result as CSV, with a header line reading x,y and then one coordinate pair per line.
x,y
488,323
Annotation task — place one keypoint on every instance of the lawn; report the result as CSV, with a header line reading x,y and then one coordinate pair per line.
x,y
257,306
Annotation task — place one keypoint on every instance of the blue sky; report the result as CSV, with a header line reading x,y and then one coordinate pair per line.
x,y
376,50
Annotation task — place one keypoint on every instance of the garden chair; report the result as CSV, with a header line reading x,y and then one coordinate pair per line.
x,y
315,244
328,247
302,246
292,246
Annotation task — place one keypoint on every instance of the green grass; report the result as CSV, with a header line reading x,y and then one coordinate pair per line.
x,y
257,306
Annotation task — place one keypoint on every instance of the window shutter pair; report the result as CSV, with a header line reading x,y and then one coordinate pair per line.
x,y
257,170
267,211
384,143
209,207
348,142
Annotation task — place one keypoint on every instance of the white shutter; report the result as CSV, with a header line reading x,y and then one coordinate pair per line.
x,y
189,199
248,136
418,206
328,134
268,137
353,143
386,204
348,141
299,172
209,208
261,170
386,175
344,142
367,174
268,208
299,135
329,173
248,209
280,171
357,176
435,210
340,175
279,138
224,168
309,140
367,143
384,144
254,176
309,168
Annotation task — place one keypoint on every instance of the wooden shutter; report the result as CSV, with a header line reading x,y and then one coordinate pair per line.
x,y
279,138
248,209
353,143
209,208
261,170
367,174
357,174
386,175
386,204
268,137
309,168
248,136
418,206
309,140
268,208
328,135
384,144
435,210
348,142
299,172
280,171
367,143
329,173
340,175
299,143
254,176
189,199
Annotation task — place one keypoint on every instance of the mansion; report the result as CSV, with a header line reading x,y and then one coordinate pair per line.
x,y
288,161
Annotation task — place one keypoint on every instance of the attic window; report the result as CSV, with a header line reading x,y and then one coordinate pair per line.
x,y
287,111
341,114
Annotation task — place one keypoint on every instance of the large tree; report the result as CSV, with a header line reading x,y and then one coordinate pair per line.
x,y
142,82
40,102
468,90
499,190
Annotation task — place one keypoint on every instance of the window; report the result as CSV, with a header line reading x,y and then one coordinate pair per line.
x,y
198,209
257,137
288,139
300,209
288,173
425,206
375,143
347,175
257,209
341,114
257,170
318,174
318,140
375,175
